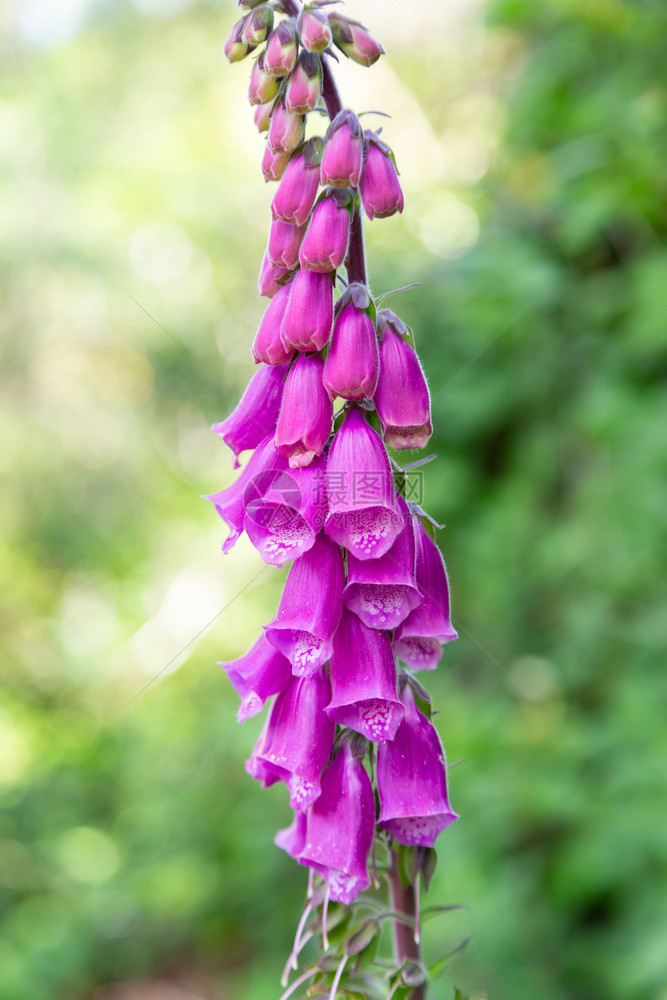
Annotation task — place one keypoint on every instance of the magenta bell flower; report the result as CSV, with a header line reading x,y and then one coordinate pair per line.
x,y
402,397
262,672
230,503
412,780
285,130
324,247
294,199
271,277
257,413
304,424
363,680
353,359
310,608
235,47
418,640
298,739
339,828
341,160
314,30
379,187
285,509
284,242
280,52
259,769
364,515
309,314
268,345
274,163
305,84
258,25
354,40
383,592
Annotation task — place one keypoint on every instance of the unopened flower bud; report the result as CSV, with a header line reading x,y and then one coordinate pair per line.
x,y
249,4
305,84
284,242
309,314
236,48
353,361
296,195
271,277
325,245
304,424
354,40
280,53
314,30
402,397
341,160
268,346
263,87
274,163
286,129
379,186
262,116
258,24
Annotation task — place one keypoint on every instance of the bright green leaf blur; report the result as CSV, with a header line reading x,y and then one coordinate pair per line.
x,y
530,139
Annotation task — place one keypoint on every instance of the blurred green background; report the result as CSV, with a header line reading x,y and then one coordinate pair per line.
x,y
134,850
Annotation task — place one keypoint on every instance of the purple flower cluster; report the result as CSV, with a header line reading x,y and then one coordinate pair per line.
x,y
367,585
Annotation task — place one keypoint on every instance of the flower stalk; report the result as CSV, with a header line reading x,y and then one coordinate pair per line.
x,y
349,729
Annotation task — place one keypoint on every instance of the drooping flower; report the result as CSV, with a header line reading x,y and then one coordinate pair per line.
x,y
280,52
263,86
285,130
314,30
305,84
309,313
418,640
260,673
354,40
304,424
284,242
235,47
310,608
412,780
364,515
268,344
294,199
324,246
363,680
353,360
383,592
402,397
341,159
285,509
231,502
262,120
298,738
274,161
293,837
257,412
379,186
339,827
258,25
271,277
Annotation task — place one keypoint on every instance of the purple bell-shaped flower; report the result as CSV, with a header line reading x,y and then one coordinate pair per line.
x,y
309,314
363,511
268,345
298,738
305,84
353,360
262,672
257,412
314,30
285,509
419,639
339,827
284,242
402,397
293,837
412,780
379,187
280,52
383,592
231,502
341,160
310,607
324,246
271,277
294,199
363,680
304,424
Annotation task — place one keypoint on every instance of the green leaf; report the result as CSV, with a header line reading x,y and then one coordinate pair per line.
x,y
437,969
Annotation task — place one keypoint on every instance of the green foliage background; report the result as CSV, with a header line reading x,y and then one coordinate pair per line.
x,y
132,844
